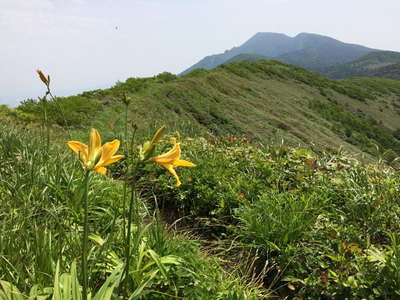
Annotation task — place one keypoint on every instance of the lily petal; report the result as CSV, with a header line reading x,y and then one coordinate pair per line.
x,y
79,148
170,156
109,161
100,170
183,163
171,170
94,142
109,149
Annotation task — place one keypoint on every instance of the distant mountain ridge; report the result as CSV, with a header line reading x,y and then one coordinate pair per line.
x,y
384,64
245,57
311,51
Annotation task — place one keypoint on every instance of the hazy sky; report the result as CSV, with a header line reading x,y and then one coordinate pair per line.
x,y
89,44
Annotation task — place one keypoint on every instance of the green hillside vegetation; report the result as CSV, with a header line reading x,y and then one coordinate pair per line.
x,y
245,57
385,64
268,100
294,195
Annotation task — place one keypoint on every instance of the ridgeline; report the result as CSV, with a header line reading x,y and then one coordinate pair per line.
x,y
266,100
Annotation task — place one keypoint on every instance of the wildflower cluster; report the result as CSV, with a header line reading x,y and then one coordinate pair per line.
x,y
95,157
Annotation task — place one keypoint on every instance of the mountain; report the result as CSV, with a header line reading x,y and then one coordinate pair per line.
x,y
311,51
267,44
375,64
267,100
245,57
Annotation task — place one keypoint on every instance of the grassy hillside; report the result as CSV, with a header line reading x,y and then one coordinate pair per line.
x,y
254,219
249,222
384,64
245,57
267,100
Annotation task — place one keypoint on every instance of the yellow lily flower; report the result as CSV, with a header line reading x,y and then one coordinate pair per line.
x,y
96,157
171,159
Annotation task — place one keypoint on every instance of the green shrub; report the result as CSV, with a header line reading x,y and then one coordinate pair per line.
x,y
278,220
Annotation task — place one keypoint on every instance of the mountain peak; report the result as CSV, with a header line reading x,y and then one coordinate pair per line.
x,y
266,34
303,34
314,37
309,50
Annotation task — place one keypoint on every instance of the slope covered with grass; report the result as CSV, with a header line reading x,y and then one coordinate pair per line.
x,y
385,64
245,57
268,100
249,222
277,206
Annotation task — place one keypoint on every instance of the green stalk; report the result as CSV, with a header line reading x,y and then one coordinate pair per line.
x,y
126,127
46,123
132,206
127,153
125,188
47,132
85,235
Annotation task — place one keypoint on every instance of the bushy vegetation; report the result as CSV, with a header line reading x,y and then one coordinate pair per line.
x,y
319,223
253,220
384,64
325,224
366,134
71,111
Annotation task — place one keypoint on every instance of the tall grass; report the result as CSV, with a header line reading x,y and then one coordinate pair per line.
x,y
41,224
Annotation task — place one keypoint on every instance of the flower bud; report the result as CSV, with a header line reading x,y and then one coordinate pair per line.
x,y
158,135
144,150
43,78
147,150
126,99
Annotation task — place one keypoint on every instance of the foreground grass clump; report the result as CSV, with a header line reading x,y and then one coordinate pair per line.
x,y
41,224
324,223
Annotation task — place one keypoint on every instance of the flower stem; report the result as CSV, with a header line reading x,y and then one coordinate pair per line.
x,y
127,154
131,171
132,206
126,127
46,123
85,235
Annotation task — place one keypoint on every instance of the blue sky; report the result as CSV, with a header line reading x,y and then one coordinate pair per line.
x,y
89,44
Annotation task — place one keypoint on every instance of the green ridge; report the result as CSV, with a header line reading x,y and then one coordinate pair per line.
x,y
268,100
385,64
